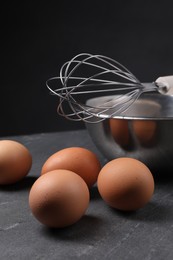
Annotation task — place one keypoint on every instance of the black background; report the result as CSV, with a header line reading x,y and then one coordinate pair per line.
x,y
38,37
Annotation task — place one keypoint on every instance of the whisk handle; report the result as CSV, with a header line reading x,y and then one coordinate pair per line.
x,y
165,85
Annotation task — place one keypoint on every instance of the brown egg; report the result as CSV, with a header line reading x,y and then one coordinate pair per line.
x,y
145,130
76,159
125,184
59,198
119,130
15,161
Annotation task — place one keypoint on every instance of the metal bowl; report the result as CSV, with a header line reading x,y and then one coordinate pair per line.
x,y
143,132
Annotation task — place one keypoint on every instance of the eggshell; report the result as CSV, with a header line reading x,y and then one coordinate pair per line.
x,y
125,184
77,159
59,198
15,161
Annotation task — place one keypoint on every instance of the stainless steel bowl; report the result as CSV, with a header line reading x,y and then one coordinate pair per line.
x,y
144,132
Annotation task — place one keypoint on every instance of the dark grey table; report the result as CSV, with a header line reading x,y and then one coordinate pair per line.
x,y
103,233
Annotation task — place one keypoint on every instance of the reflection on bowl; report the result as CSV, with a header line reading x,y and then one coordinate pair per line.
x,y
145,108
119,130
147,138
143,131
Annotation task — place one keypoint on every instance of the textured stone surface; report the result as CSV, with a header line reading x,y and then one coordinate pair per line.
x,y
103,233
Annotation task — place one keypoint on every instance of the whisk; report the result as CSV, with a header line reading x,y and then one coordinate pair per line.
x,y
88,75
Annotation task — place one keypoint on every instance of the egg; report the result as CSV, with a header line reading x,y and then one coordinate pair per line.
x,y
59,198
77,159
15,161
125,184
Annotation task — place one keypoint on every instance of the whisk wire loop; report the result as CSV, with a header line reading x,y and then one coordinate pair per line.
x,y
124,91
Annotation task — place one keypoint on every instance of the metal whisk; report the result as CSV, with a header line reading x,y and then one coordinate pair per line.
x,y
87,75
